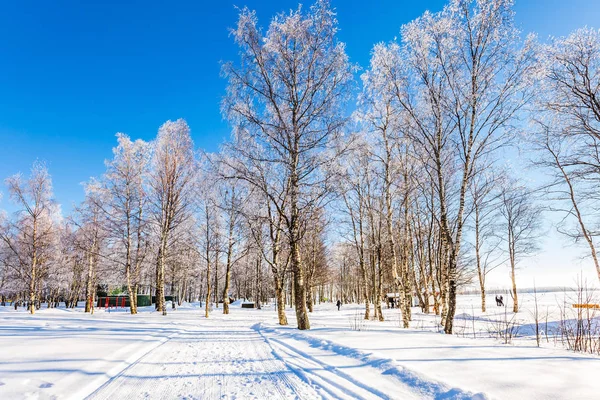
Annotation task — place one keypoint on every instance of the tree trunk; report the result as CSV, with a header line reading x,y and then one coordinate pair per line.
x,y
228,267
390,232
480,272
514,286
34,262
379,285
258,282
406,264
294,239
130,290
208,244
279,292
135,293
299,288
482,298
226,287
32,287
375,298
366,291
89,285
208,288
160,278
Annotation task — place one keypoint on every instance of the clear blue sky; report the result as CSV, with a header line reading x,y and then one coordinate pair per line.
x,y
73,73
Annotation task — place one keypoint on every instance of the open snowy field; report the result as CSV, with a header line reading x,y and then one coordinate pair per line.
x,y
66,354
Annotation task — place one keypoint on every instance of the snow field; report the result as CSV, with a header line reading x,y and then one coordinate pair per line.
x,y
66,354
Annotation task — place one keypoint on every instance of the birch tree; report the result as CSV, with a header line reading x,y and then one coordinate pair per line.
x,y
90,238
484,197
460,76
171,183
287,94
124,207
568,117
521,225
30,239
231,206
352,189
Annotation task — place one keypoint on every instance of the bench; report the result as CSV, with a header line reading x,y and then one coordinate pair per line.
x,y
594,306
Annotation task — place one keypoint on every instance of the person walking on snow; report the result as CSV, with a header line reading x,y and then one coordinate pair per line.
x,y
499,301
338,304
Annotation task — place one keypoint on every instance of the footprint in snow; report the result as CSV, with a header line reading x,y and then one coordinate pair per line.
x,y
46,385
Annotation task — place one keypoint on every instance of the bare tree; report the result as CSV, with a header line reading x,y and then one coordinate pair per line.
x,y
568,114
484,197
124,205
521,223
352,190
271,243
460,78
171,183
314,252
30,240
232,210
287,96
209,237
90,238
383,117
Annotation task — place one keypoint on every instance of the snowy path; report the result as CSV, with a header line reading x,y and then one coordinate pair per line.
x,y
344,372
181,356
66,354
334,375
226,362
208,364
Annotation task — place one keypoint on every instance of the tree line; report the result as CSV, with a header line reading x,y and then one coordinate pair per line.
x,y
407,194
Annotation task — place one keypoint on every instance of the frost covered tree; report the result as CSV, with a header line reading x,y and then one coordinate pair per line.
x,y
171,184
30,239
124,206
315,255
521,225
287,97
91,238
74,260
232,195
382,117
485,201
266,226
354,174
568,117
209,227
459,77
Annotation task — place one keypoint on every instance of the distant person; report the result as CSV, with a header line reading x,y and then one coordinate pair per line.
x,y
338,304
499,301
392,302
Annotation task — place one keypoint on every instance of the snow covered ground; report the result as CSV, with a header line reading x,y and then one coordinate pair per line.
x,y
60,353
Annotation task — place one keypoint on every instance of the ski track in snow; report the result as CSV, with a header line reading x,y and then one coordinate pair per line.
x,y
252,362
330,381
233,363
393,380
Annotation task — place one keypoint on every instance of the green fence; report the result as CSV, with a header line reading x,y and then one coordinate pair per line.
x,y
167,298
144,300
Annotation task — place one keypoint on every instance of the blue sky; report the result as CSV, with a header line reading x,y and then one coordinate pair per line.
x,y
73,73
